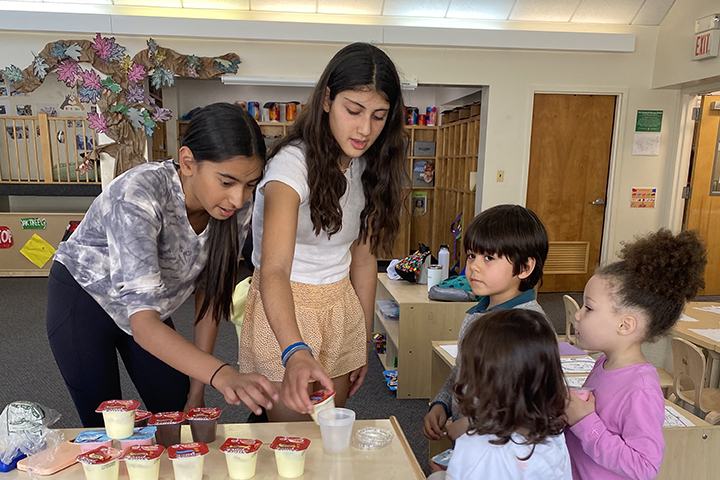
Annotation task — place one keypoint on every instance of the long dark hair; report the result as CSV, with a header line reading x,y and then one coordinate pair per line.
x,y
511,378
216,133
359,67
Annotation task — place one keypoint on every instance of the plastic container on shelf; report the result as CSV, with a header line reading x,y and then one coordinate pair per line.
x,y
444,260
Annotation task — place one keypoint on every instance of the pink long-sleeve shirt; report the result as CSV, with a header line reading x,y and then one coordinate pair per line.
x,y
623,438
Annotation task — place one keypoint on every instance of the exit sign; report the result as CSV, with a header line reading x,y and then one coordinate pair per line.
x,y
706,45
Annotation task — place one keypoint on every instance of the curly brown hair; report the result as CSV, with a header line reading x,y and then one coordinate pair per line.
x,y
657,274
359,67
511,378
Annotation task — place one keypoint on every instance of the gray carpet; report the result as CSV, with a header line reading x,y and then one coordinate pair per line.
x,y
29,371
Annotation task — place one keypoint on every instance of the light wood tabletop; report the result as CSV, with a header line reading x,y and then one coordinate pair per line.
x,y
396,461
705,320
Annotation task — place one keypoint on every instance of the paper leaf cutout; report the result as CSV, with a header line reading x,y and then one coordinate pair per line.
x,y
58,50
227,66
107,49
162,77
136,73
152,46
122,108
85,167
90,79
136,118
110,84
162,114
73,51
98,122
148,131
160,55
89,94
40,67
134,94
67,72
192,65
13,74
126,63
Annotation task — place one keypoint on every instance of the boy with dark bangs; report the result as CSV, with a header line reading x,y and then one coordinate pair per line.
x,y
506,248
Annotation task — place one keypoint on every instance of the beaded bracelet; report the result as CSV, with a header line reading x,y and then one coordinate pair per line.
x,y
295,347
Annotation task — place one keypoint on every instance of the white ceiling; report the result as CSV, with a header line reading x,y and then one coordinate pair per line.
x,y
620,12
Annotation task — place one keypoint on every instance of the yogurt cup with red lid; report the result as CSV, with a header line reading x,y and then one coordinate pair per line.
x,y
143,461
188,460
119,417
290,455
321,400
141,418
101,463
203,423
140,436
241,457
168,427
92,439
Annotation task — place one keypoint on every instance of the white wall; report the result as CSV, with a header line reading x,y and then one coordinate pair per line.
x,y
512,77
674,65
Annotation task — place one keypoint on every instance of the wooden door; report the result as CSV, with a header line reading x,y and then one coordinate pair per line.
x,y
703,212
567,183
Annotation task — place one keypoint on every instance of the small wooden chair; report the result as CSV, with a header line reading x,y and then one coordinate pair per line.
x,y
689,364
571,307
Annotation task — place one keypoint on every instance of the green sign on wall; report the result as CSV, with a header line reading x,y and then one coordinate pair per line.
x,y
649,121
33,223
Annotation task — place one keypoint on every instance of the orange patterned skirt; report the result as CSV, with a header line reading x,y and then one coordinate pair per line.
x,y
331,322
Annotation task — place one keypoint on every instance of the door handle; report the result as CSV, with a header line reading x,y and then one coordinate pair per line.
x,y
599,201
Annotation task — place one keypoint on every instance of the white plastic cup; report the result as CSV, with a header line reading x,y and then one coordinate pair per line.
x,y
336,426
435,273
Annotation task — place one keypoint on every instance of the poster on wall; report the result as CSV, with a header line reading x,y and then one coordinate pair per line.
x,y
4,107
24,110
649,121
3,90
646,144
50,109
419,203
643,197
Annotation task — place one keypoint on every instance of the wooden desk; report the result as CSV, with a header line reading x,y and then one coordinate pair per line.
x,y
395,461
705,320
690,452
421,321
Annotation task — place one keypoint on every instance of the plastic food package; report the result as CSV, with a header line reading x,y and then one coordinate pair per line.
x,y
371,438
24,431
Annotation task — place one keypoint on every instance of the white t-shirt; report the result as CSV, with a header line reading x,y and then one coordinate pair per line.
x,y
475,457
317,260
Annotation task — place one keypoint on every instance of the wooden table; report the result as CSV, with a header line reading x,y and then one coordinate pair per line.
x,y
395,461
690,452
705,320
421,321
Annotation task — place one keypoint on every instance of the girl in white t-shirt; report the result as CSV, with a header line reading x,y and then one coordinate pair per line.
x,y
329,203
512,390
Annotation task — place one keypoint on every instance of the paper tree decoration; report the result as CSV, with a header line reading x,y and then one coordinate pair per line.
x,y
126,113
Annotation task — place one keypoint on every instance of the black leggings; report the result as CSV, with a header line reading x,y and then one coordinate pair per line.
x,y
84,340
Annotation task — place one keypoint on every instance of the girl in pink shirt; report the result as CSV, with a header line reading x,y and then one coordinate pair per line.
x,y
617,432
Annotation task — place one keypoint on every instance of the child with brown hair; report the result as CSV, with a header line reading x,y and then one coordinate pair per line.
x,y
617,432
511,389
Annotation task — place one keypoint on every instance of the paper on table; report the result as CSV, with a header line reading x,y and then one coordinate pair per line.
x,y
711,333
685,318
451,349
577,364
575,382
711,309
673,418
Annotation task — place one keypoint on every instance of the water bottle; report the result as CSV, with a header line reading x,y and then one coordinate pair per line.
x,y
444,260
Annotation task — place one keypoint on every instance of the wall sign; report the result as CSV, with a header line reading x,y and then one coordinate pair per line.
x,y
643,198
33,223
706,45
6,238
649,121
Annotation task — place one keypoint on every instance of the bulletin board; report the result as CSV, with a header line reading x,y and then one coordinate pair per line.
x,y
12,262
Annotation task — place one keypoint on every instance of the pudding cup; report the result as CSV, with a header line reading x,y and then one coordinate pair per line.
x,y
168,427
101,463
321,400
188,460
241,457
119,417
140,436
203,423
141,418
143,461
290,455
92,439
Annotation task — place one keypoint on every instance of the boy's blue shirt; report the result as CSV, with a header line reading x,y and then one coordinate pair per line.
x,y
524,297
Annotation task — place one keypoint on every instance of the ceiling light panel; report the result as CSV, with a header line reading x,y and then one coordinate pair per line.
x,y
150,3
351,7
544,10
218,4
91,2
653,12
298,6
487,10
621,12
416,8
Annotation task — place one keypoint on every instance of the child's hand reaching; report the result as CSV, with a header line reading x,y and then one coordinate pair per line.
x,y
434,422
577,409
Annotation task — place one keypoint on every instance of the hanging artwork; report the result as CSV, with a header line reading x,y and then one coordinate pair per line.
x,y
114,83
